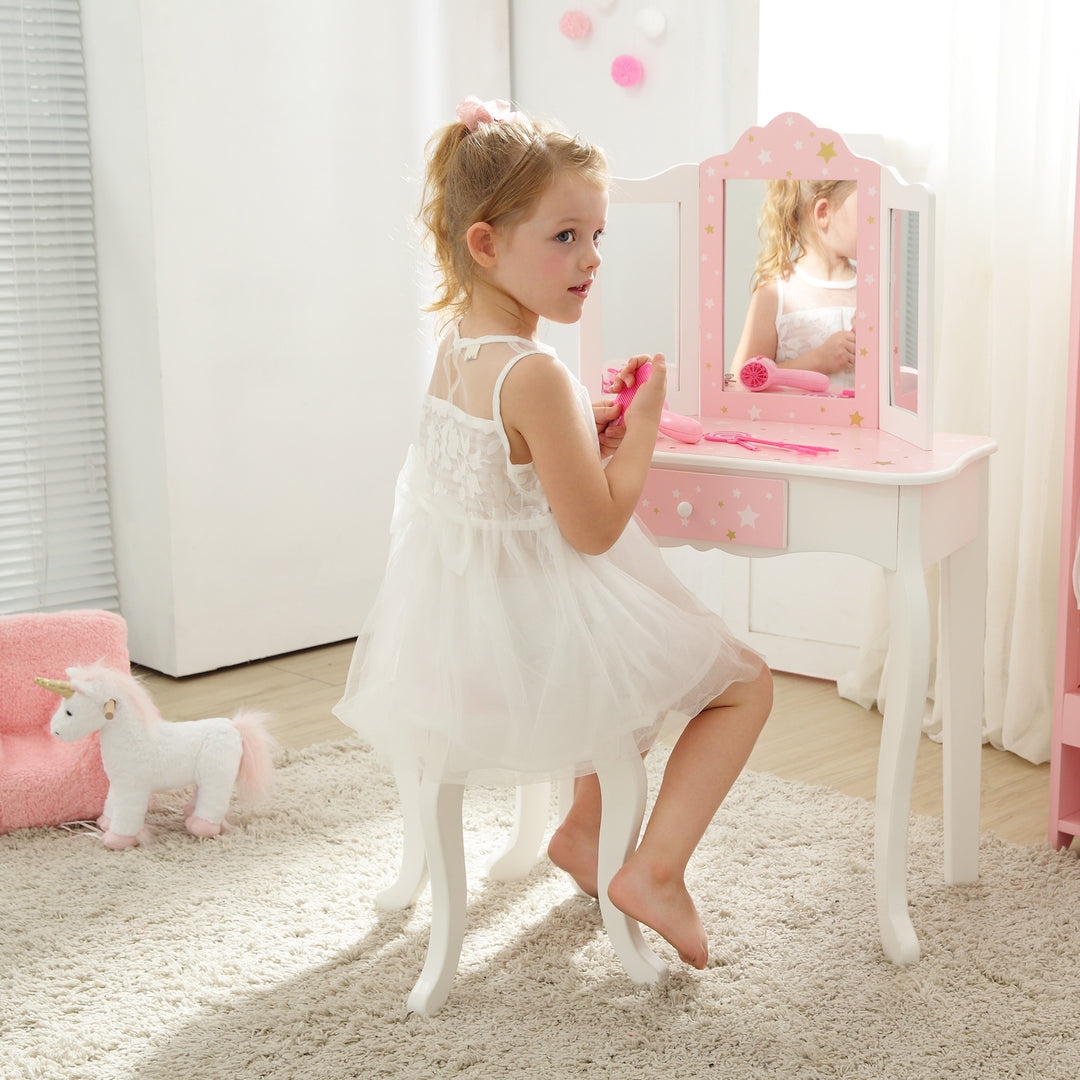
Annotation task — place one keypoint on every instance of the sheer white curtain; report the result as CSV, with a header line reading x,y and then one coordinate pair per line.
x,y
999,150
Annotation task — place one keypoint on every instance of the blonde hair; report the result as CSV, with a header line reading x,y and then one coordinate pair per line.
x,y
785,216
494,174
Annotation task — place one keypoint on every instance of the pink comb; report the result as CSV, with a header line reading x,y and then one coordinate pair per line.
x,y
626,394
675,426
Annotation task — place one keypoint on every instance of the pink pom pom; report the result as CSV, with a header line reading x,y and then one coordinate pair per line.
x,y
627,70
575,24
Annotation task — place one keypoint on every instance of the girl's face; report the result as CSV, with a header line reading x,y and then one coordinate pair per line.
x,y
547,262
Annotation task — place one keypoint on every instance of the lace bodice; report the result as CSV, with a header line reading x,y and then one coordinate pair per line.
x,y
810,310
468,467
467,457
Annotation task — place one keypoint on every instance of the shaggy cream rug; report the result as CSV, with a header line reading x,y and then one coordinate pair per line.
x,y
261,955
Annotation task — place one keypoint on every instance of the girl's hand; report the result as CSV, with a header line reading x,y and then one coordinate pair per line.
x,y
609,428
613,431
837,352
648,402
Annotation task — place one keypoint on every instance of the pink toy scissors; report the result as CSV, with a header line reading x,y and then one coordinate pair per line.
x,y
747,442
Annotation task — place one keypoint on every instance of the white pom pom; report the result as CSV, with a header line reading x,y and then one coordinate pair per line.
x,y
651,22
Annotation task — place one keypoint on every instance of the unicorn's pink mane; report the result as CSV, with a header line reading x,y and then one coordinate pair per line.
x,y
121,686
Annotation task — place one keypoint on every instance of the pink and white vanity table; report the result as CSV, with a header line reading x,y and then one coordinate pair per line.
x,y
882,485
1065,744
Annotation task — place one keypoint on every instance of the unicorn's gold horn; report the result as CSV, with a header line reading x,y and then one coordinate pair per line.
x,y
57,686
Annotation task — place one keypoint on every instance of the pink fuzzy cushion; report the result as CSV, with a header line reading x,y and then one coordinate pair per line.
x,y
44,781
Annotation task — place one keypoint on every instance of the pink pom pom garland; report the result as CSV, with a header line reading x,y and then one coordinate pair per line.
x,y
626,70
575,25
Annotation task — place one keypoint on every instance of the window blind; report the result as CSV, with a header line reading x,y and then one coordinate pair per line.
x,y
55,529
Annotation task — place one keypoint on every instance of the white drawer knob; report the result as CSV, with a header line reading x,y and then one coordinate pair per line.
x,y
684,509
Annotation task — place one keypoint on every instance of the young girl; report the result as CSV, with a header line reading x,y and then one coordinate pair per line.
x,y
527,625
803,298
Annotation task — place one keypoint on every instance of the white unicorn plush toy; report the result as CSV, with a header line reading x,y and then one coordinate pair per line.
x,y
142,753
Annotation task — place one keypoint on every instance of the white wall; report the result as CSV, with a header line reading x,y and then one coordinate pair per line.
x,y
698,95
260,292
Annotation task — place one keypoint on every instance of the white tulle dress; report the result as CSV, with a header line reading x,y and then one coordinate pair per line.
x,y
496,651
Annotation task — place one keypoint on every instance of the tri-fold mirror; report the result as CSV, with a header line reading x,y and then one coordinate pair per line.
x,y
679,273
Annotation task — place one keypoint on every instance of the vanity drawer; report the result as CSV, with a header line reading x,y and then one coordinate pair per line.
x,y
742,511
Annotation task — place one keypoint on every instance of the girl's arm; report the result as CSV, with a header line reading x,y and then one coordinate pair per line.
x,y
758,336
592,504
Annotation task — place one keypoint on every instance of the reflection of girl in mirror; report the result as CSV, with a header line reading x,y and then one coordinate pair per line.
x,y
803,299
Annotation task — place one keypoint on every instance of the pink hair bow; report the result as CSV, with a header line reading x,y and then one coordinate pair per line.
x,y
473,112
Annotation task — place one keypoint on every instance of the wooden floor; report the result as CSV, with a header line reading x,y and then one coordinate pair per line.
x,y
813,734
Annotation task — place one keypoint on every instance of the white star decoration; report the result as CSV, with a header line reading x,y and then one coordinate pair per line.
x,y
755,413
765,157
747,517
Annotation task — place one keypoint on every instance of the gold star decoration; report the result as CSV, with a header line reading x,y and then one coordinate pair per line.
x,y
856,419
731,534
720,502
710,229
882,462
827,152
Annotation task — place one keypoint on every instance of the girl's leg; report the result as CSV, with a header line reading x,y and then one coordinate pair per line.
x,y
704,763
575,844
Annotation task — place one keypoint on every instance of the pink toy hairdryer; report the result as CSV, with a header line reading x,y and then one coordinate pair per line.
x,y
761,373
675,426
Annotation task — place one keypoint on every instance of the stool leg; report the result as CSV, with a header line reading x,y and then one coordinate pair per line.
x,y
530,822
413,875
623,788
440,818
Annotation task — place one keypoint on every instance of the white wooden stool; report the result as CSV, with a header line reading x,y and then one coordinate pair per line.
x,y
434,848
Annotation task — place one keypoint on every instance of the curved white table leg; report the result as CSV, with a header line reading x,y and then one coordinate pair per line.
x,y
909,673
412,877
530,822
440,818
623,789
963,630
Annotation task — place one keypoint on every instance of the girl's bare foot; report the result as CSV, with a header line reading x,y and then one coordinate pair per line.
x,y
664,904
574,850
